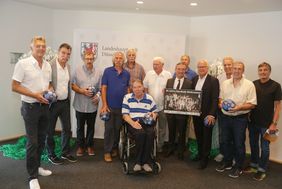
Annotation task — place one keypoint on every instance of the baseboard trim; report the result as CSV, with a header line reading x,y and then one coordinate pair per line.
x,y
5,140
58,132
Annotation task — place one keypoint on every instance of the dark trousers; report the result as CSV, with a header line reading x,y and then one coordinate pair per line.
x,y
234,134
144,141
177,125
219,118
61,110
36,119
89,119
112,130
203,137
259,153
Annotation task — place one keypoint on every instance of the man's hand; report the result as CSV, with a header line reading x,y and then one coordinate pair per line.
x,y
272,127
105,109
95,99
211,120
154,115
136,125
86,92
40,98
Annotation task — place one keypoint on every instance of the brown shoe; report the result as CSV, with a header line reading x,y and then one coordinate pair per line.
x,y
79,151
108,157
90,151
114,153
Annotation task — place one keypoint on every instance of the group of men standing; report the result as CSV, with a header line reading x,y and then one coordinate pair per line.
x,y
33,76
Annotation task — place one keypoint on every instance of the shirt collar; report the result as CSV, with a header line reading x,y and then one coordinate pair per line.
x,y
240,82
181,80
35,62
127,65
86,70
161,74
203,77
144,96
113,67
59,65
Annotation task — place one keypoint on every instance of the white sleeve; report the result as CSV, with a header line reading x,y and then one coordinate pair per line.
x,y
18,72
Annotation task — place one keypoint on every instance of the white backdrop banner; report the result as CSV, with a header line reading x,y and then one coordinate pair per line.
x,y
105,43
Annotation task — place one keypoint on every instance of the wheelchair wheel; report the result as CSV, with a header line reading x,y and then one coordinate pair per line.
x,y
125,168
157,168
121,150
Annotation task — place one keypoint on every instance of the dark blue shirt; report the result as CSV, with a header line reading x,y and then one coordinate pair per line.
x,y
117,85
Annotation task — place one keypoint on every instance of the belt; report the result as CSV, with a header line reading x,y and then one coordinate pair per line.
x,y
66,100
35,104
237,116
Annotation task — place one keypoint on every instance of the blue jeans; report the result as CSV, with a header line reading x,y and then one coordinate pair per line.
x,y
233,139
256,136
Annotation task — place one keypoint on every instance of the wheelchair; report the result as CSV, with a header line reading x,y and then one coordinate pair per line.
x,y
126,149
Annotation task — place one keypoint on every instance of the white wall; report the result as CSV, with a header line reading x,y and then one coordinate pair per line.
x,y
65,22
252,38
18,24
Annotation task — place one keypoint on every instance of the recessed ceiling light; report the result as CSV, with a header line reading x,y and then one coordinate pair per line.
x,y
193,4
140,2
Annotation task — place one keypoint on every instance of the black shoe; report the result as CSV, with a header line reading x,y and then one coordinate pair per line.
x,y
236,172
180,155
169,153
55,160
203,165
224,166
69,157
196,158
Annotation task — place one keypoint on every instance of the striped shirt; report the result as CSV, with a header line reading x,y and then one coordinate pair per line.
x,y
138,108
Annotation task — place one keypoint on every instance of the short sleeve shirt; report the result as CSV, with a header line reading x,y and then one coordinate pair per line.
x,y
85,78
245,92
267,93
32,77
117,85
156,84
136,109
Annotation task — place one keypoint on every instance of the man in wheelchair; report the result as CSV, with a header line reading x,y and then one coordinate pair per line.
x,y
139,113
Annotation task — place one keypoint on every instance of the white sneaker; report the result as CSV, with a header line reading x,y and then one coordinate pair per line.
x,y
137,167
44,172
147,168
33,184
219,158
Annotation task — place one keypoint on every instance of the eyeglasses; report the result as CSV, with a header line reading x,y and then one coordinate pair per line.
x,y
88,59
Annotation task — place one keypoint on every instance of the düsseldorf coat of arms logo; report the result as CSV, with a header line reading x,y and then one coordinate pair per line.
x,y
90,47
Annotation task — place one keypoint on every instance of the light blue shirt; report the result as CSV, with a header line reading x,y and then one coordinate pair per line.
x,y
85,78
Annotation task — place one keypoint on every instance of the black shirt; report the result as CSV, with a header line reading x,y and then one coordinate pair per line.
x,y
267,93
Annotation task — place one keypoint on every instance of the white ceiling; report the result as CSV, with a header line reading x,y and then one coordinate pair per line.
x,y
167,7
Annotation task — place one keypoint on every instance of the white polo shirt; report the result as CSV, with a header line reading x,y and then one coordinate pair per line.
x,y
156,84
62,82
245,92
32,77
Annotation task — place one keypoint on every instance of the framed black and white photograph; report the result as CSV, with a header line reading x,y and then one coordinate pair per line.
x,y
183,102
14,57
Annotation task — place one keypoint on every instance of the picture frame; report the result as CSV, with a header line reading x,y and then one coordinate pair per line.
x,y
182,102
14,57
